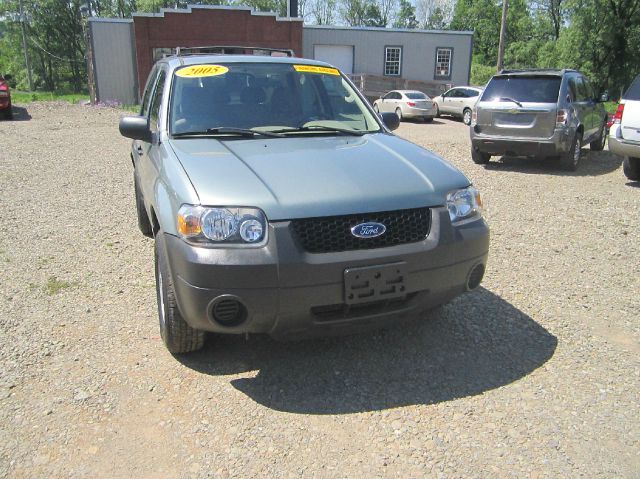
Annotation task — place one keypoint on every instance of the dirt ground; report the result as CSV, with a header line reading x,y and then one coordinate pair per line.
x,y
535,374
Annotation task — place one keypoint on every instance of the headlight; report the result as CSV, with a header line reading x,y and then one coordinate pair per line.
x,y
222,225
464,204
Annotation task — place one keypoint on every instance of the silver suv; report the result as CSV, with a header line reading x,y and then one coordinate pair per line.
x,y
538,113
281,203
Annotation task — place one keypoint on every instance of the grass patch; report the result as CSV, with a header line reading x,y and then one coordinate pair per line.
x,y
28,97
611,106
55,285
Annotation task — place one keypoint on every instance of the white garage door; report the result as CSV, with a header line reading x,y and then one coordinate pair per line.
x,y
340,56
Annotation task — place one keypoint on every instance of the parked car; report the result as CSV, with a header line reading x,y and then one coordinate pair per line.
x,y
624,136
281,203
458,101
406,104
538,113
5,99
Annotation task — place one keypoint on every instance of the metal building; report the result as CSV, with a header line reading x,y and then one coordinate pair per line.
x,y
112,60
430,60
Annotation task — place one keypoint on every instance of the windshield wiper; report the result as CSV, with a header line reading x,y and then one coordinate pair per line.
x,y
227,130
334,129
506,98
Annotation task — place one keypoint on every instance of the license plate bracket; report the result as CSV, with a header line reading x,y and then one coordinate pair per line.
x,y
375,283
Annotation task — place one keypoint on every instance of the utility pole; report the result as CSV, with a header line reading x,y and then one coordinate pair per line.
x,y
503,34
24,47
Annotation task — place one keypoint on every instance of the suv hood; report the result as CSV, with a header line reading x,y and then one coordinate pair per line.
x,y
303,177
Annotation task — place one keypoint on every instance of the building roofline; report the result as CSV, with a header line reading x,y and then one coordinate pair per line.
x,y
109,20
383,29
190,9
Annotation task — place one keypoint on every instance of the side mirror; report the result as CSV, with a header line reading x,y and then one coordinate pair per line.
x,y
391,120
136,128
604,97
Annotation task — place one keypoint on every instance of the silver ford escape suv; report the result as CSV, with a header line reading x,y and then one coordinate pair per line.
x,y
281,203
538,113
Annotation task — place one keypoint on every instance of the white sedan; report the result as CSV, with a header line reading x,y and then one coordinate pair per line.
x,y
406,104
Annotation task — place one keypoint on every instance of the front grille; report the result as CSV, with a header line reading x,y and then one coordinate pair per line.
x,y
332,234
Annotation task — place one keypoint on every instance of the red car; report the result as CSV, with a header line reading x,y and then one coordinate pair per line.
x,y
5,99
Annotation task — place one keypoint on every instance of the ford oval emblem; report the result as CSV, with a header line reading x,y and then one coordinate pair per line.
x,y
368,230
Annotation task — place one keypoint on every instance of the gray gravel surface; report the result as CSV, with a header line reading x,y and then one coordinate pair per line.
x,y
535,374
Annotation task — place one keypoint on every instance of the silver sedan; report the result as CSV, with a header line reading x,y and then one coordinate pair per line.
x,y
406,104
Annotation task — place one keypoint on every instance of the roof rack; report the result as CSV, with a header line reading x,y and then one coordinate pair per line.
x,y
525,70
233,50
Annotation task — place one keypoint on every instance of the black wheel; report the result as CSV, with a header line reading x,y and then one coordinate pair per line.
x,y
177,335
428,119
598,143
399,114
466,116
631,168
570,160
143,218
480,158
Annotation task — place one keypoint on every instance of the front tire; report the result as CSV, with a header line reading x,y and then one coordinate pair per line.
x,y
631,168
466,116
399,114
569,161
177,335
480,158
598,143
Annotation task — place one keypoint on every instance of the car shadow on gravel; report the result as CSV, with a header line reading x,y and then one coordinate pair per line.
x,y
592,163
20,114
476,343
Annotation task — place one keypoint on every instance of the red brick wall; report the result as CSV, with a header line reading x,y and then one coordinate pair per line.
x,y
204,27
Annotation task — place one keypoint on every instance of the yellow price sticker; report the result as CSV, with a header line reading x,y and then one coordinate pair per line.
x,y
198,71
313,69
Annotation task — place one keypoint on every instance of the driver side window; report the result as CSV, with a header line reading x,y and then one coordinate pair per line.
x,y
146,99
154,112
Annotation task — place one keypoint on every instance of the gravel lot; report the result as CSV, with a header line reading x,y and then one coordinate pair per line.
x,y
536,374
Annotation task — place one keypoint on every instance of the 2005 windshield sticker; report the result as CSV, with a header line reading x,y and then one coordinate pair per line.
x,y
312,69
198,71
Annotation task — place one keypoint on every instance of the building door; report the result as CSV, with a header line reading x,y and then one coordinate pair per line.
x,y
340,56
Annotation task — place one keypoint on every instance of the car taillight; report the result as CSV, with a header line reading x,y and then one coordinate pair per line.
x,y
617,118
410,103
562,117
474,117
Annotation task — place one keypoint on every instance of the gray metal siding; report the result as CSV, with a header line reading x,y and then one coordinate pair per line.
x,y
418,50
114,60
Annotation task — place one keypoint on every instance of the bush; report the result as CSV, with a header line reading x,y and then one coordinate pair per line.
x,y
481,74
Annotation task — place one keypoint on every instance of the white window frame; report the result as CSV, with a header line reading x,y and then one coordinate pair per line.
x,y
392,67
443,66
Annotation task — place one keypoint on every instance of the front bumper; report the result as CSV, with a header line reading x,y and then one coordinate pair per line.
x,y
558,143
622,147
290,293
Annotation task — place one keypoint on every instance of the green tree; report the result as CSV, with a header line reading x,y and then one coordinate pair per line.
x,y
406,17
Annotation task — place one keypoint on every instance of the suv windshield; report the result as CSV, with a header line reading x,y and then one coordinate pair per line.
x,y
533,89
265,97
